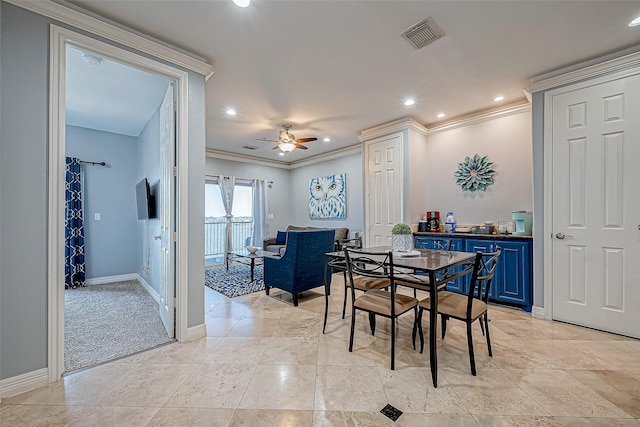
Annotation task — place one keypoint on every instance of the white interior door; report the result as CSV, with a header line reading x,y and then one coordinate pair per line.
x,y
384,189
166,209
596,207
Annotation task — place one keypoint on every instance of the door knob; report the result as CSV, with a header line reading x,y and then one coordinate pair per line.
x,y
562,236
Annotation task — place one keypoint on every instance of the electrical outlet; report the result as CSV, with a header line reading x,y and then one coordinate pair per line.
x,y
270,216
96,216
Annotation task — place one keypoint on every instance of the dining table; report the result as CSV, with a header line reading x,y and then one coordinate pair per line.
x,y
441,268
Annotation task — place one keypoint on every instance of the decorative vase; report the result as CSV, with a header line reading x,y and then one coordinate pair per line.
x,y
402,242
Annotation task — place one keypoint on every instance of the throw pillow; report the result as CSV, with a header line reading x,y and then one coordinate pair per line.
x,y
281,238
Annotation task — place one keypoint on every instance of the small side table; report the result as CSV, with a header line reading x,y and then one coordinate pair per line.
x,y
247,259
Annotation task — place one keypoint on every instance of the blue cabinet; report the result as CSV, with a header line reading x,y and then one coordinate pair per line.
x,y
513,280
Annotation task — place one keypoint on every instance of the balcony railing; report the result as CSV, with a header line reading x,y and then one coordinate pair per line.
x,y
214,235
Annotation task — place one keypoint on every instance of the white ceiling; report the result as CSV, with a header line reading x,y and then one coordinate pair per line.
x,y
335,68
110,96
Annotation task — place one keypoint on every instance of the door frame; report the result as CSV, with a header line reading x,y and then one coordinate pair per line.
x,y
602,77
59,38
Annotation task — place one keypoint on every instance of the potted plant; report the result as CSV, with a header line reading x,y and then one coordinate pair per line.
x,y
401,237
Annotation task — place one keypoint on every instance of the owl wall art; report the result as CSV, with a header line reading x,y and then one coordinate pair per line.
x,y
327,197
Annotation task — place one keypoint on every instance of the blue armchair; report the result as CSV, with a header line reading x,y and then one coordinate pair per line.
x,y
303,265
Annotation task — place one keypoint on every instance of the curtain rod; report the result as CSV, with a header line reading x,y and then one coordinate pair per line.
x,y
93,163
244,180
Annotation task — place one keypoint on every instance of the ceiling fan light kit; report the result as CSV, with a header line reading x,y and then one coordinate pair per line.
x,y
287,142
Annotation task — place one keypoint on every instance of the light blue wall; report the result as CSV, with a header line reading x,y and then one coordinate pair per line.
x,y
148,166
352,167
24,81
110,243
537,125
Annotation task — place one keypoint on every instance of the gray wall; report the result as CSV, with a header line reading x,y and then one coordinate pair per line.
x,y
352,167
279,198
23,173
148,166
110,243
537,124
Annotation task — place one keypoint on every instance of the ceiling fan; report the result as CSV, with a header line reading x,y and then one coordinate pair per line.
x,y
287,142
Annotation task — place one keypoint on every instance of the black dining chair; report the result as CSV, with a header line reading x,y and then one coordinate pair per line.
x,y
377,267
466,308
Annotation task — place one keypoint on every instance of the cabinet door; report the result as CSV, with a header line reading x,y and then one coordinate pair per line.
x,y
512,281
480,245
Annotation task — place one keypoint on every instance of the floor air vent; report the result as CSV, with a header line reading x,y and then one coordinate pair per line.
x,y
423,33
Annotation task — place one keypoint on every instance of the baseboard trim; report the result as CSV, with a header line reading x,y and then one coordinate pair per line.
x,y
111,279
196,332
538,312
24,383
148,288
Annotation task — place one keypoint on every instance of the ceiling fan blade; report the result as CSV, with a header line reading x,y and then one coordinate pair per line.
x,y
302,147
306,140
266,140
276,147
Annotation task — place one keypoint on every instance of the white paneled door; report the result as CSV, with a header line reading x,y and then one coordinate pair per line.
x,y
166,212
596,205
384,189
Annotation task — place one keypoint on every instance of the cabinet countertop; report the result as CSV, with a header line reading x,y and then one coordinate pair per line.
x,y
473,235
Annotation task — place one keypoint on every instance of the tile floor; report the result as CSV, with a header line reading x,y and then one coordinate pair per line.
x,y
267,363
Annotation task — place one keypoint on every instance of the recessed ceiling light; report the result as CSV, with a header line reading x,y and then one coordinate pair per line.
x,y
635,22
441,115
498,98
242,3
231,112
281,154
327,139
409,102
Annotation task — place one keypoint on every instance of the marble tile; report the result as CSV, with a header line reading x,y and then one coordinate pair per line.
x,y
189,352
335,351
39,415
559,394
544,421
113,416
264,311
411,390
290,350
621,354
149,385
350,418
299,327
213,386
238,350
254,327
490,392
568,355
622,388
349,388
192,417
280,387
265,417
219,327
227,309
435,420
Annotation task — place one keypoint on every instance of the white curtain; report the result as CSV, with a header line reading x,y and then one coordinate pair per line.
x,y
227,184
260,226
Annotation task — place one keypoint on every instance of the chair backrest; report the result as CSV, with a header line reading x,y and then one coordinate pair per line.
x,y
375,265
305,252
355,243
442,244
482,276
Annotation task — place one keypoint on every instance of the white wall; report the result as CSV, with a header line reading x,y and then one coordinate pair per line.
x,y
507,142
352,167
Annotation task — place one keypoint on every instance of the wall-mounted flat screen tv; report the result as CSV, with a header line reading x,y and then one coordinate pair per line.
x,y
145,201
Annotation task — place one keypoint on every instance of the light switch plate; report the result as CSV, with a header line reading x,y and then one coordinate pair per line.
x,y
96,216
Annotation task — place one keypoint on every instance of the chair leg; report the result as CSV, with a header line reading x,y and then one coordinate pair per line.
x,y
472,359
372,323
486,322
415,327
443,320
266,289
344,303
353,327
295,299
481,320
420,329
393,343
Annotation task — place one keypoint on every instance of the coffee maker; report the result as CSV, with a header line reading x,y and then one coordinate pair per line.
x,y
433,221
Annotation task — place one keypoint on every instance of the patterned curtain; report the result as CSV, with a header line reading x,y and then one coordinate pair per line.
x,y
74,274
227,184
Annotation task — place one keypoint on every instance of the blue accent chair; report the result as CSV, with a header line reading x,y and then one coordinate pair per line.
x,y
303,265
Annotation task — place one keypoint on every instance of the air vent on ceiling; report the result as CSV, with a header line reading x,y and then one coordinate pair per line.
x,y
250,147
423,33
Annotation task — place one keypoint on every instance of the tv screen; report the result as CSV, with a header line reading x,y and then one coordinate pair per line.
x,y
145,202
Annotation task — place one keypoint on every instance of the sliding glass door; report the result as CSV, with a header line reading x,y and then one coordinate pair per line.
x,y
215,220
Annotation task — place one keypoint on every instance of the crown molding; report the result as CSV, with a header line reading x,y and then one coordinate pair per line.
x,y
606,67
392,127
118,34
225,155
479,118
